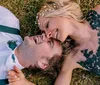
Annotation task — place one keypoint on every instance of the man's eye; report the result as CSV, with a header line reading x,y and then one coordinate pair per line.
x,y
56,34
50,43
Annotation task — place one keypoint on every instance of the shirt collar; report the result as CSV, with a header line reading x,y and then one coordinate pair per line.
x,y
13,61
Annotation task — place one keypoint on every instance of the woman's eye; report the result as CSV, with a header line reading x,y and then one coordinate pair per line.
x,y
47,25
42,32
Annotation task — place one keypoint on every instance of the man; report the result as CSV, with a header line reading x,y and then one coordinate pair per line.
x,y
35,51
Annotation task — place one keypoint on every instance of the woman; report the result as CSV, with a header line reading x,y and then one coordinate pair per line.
x,y
60,19
65,19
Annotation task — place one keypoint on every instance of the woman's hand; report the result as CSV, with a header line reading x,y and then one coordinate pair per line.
x,y
16,77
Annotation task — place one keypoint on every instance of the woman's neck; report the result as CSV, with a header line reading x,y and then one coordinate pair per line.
x,y
81,31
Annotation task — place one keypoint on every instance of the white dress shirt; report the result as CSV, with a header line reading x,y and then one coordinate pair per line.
x,y
7,54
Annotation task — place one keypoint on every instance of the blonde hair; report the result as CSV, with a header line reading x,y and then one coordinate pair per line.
x,y
62,8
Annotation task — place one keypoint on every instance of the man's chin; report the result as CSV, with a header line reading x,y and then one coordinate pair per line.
x,y
29,40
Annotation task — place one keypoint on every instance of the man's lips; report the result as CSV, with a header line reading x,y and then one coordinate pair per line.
x,y
35,39
38,39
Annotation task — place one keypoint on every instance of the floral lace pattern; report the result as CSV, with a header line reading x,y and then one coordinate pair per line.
x,y
92,64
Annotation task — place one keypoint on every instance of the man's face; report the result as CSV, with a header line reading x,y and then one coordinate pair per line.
x,y
41,49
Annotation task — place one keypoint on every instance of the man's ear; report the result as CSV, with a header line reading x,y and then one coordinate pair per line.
x,y
42,65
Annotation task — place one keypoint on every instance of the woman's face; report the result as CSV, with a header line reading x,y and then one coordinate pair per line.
x,y
54,27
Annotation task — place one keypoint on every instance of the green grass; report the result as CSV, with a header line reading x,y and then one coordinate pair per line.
x,y
26,11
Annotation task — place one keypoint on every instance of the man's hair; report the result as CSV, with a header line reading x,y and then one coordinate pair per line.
x,y
54,61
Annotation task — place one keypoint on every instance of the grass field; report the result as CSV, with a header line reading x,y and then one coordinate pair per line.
x,y
26,11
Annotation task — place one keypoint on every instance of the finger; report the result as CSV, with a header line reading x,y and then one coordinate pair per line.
x,y
12,77
17,69
11,73
13,80
19,72
12,83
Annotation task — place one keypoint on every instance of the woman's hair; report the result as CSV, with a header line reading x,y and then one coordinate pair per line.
x,y
62,8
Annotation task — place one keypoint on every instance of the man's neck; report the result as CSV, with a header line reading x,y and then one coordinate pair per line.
x,y
20,57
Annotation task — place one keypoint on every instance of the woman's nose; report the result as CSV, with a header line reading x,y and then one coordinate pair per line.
x,y
49,35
